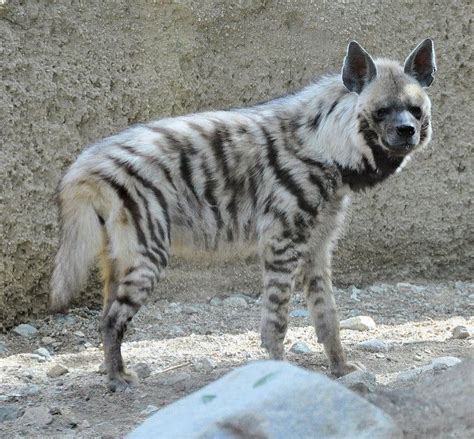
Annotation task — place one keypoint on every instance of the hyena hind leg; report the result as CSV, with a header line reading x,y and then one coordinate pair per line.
x,y
127,286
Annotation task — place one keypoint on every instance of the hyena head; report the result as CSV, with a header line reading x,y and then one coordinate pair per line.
x,y
393,105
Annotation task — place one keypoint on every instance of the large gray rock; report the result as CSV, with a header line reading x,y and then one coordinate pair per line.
x,y
269,399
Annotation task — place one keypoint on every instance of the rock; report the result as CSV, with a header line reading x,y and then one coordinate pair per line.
x,y
79,334
3,348
273,400
355,293
30,390
299,313
443,363
192,309
149,410
47,340
378,289
461,332
297,299
203,364
215,301
435,406
405,286
174,379
65,319
360,381
57,371
142,370
177,331
437,366
173,308
359,323
102,369
373,345
413,374
37,416
300,348
44,353
9,412
25,330
235,302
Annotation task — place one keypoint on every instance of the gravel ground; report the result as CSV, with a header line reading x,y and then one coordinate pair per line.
x,y
198,329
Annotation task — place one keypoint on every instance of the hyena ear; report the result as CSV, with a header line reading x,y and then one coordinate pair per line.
x,y
358,68
421,63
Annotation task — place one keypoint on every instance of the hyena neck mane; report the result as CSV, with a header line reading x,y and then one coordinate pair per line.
x,y
329,127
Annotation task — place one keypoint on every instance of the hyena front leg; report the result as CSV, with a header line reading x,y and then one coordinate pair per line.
x,y
322,306
280,259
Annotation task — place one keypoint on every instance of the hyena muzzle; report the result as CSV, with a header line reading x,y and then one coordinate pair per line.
x,y
279,172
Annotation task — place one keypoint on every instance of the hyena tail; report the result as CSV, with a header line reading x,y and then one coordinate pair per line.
x,y
80,242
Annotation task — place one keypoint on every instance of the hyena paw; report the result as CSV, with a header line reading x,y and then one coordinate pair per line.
x,y
342,369
274,351
123,381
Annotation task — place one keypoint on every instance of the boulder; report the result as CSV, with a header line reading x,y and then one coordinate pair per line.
x,y
269,399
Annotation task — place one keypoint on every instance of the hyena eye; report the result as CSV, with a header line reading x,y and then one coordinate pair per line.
x,y
416,111
381,113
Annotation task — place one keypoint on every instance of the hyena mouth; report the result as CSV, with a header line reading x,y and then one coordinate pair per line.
x,y
398,150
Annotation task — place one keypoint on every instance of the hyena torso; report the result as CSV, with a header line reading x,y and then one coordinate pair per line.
x,y
278,172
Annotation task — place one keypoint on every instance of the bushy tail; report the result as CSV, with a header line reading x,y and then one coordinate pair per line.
x,y
81,238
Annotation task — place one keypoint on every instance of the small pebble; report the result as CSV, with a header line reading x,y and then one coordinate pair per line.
x,y
191,309
173,308
142,370
203,364
355,293
377,289
43,352
373,345
47,340
303,313
149,410
359,381
3,348
235,302
57,371
177,331
25,330
461,332
79,334
445,362
300,348
38,416
215,301
7,413
359,323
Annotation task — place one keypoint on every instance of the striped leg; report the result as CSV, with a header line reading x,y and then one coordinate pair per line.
x,y
132,274
320,300
280,261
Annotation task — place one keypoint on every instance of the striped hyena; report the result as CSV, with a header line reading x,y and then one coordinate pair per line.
x,y
279,171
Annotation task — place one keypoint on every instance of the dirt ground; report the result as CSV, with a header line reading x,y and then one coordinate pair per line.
x,y
188,336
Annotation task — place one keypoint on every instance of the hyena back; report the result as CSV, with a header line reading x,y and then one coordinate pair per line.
x,y
279,172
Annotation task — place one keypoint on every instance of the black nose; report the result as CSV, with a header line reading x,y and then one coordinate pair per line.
x,y
405,130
